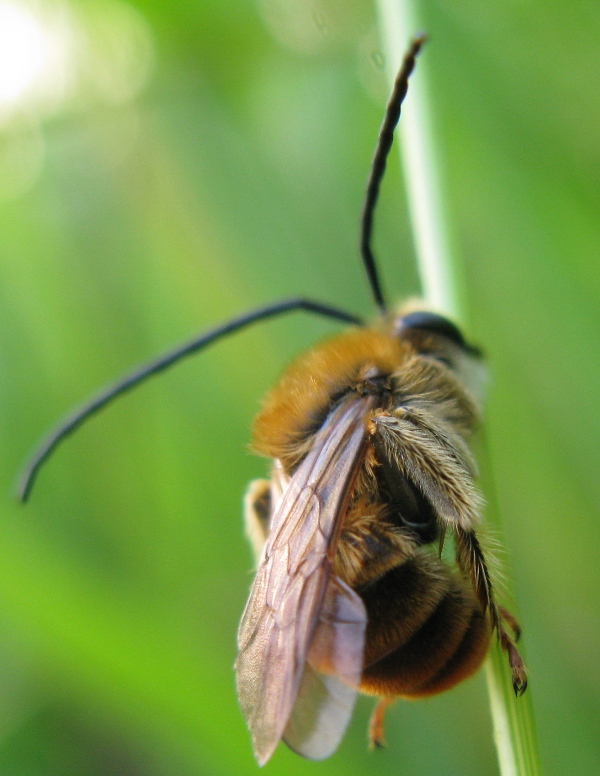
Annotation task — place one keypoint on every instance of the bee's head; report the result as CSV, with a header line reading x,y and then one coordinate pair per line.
x,y
428,331
438,339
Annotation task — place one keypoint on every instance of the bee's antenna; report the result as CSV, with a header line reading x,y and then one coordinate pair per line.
x,y
106,395
384,143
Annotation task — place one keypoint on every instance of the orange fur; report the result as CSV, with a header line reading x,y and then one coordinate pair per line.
x,y
428,627
303,394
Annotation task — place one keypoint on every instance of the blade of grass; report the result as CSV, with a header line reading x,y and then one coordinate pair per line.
x,y
443,289
439,271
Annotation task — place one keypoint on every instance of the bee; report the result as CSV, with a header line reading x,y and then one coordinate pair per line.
x,y
369,437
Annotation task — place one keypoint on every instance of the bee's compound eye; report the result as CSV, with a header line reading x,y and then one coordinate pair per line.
x,y
434,323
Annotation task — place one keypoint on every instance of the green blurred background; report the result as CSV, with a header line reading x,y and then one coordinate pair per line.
x,y
164,166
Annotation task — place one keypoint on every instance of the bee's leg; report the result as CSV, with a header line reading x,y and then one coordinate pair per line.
x,y
471,560
511,621
257,513
421,454
376,732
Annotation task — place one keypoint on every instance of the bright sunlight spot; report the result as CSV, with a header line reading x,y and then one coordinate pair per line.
x,y
68,57
69,53
22,51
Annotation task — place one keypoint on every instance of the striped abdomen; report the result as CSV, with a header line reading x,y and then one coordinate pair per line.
x,y
426,631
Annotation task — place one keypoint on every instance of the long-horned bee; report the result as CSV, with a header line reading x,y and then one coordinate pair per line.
x,y
369,436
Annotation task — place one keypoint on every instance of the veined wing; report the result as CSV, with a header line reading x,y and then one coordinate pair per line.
x,y
331,676
287,596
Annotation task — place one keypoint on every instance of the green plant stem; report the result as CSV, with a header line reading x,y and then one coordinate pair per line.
x,y
441,280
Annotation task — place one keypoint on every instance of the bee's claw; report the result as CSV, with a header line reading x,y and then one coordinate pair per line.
x,y
519,682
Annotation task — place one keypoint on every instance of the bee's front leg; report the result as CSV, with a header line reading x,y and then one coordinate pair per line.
x,y
257,514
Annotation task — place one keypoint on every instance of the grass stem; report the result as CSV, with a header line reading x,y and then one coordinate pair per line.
x,y
443,289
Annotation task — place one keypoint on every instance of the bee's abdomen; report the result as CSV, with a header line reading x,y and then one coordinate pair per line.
x,y
426,631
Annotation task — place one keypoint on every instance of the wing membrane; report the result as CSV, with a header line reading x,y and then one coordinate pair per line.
x,y
288,593
331,676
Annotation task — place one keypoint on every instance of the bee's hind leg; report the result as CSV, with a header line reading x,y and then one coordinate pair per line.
x,y
472,562
512,622
376,726
515,661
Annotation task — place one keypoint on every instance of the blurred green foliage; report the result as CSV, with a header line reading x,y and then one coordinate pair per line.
x,y
229,174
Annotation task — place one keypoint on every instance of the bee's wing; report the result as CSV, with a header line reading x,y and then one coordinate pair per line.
x,y
288,595
327,692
